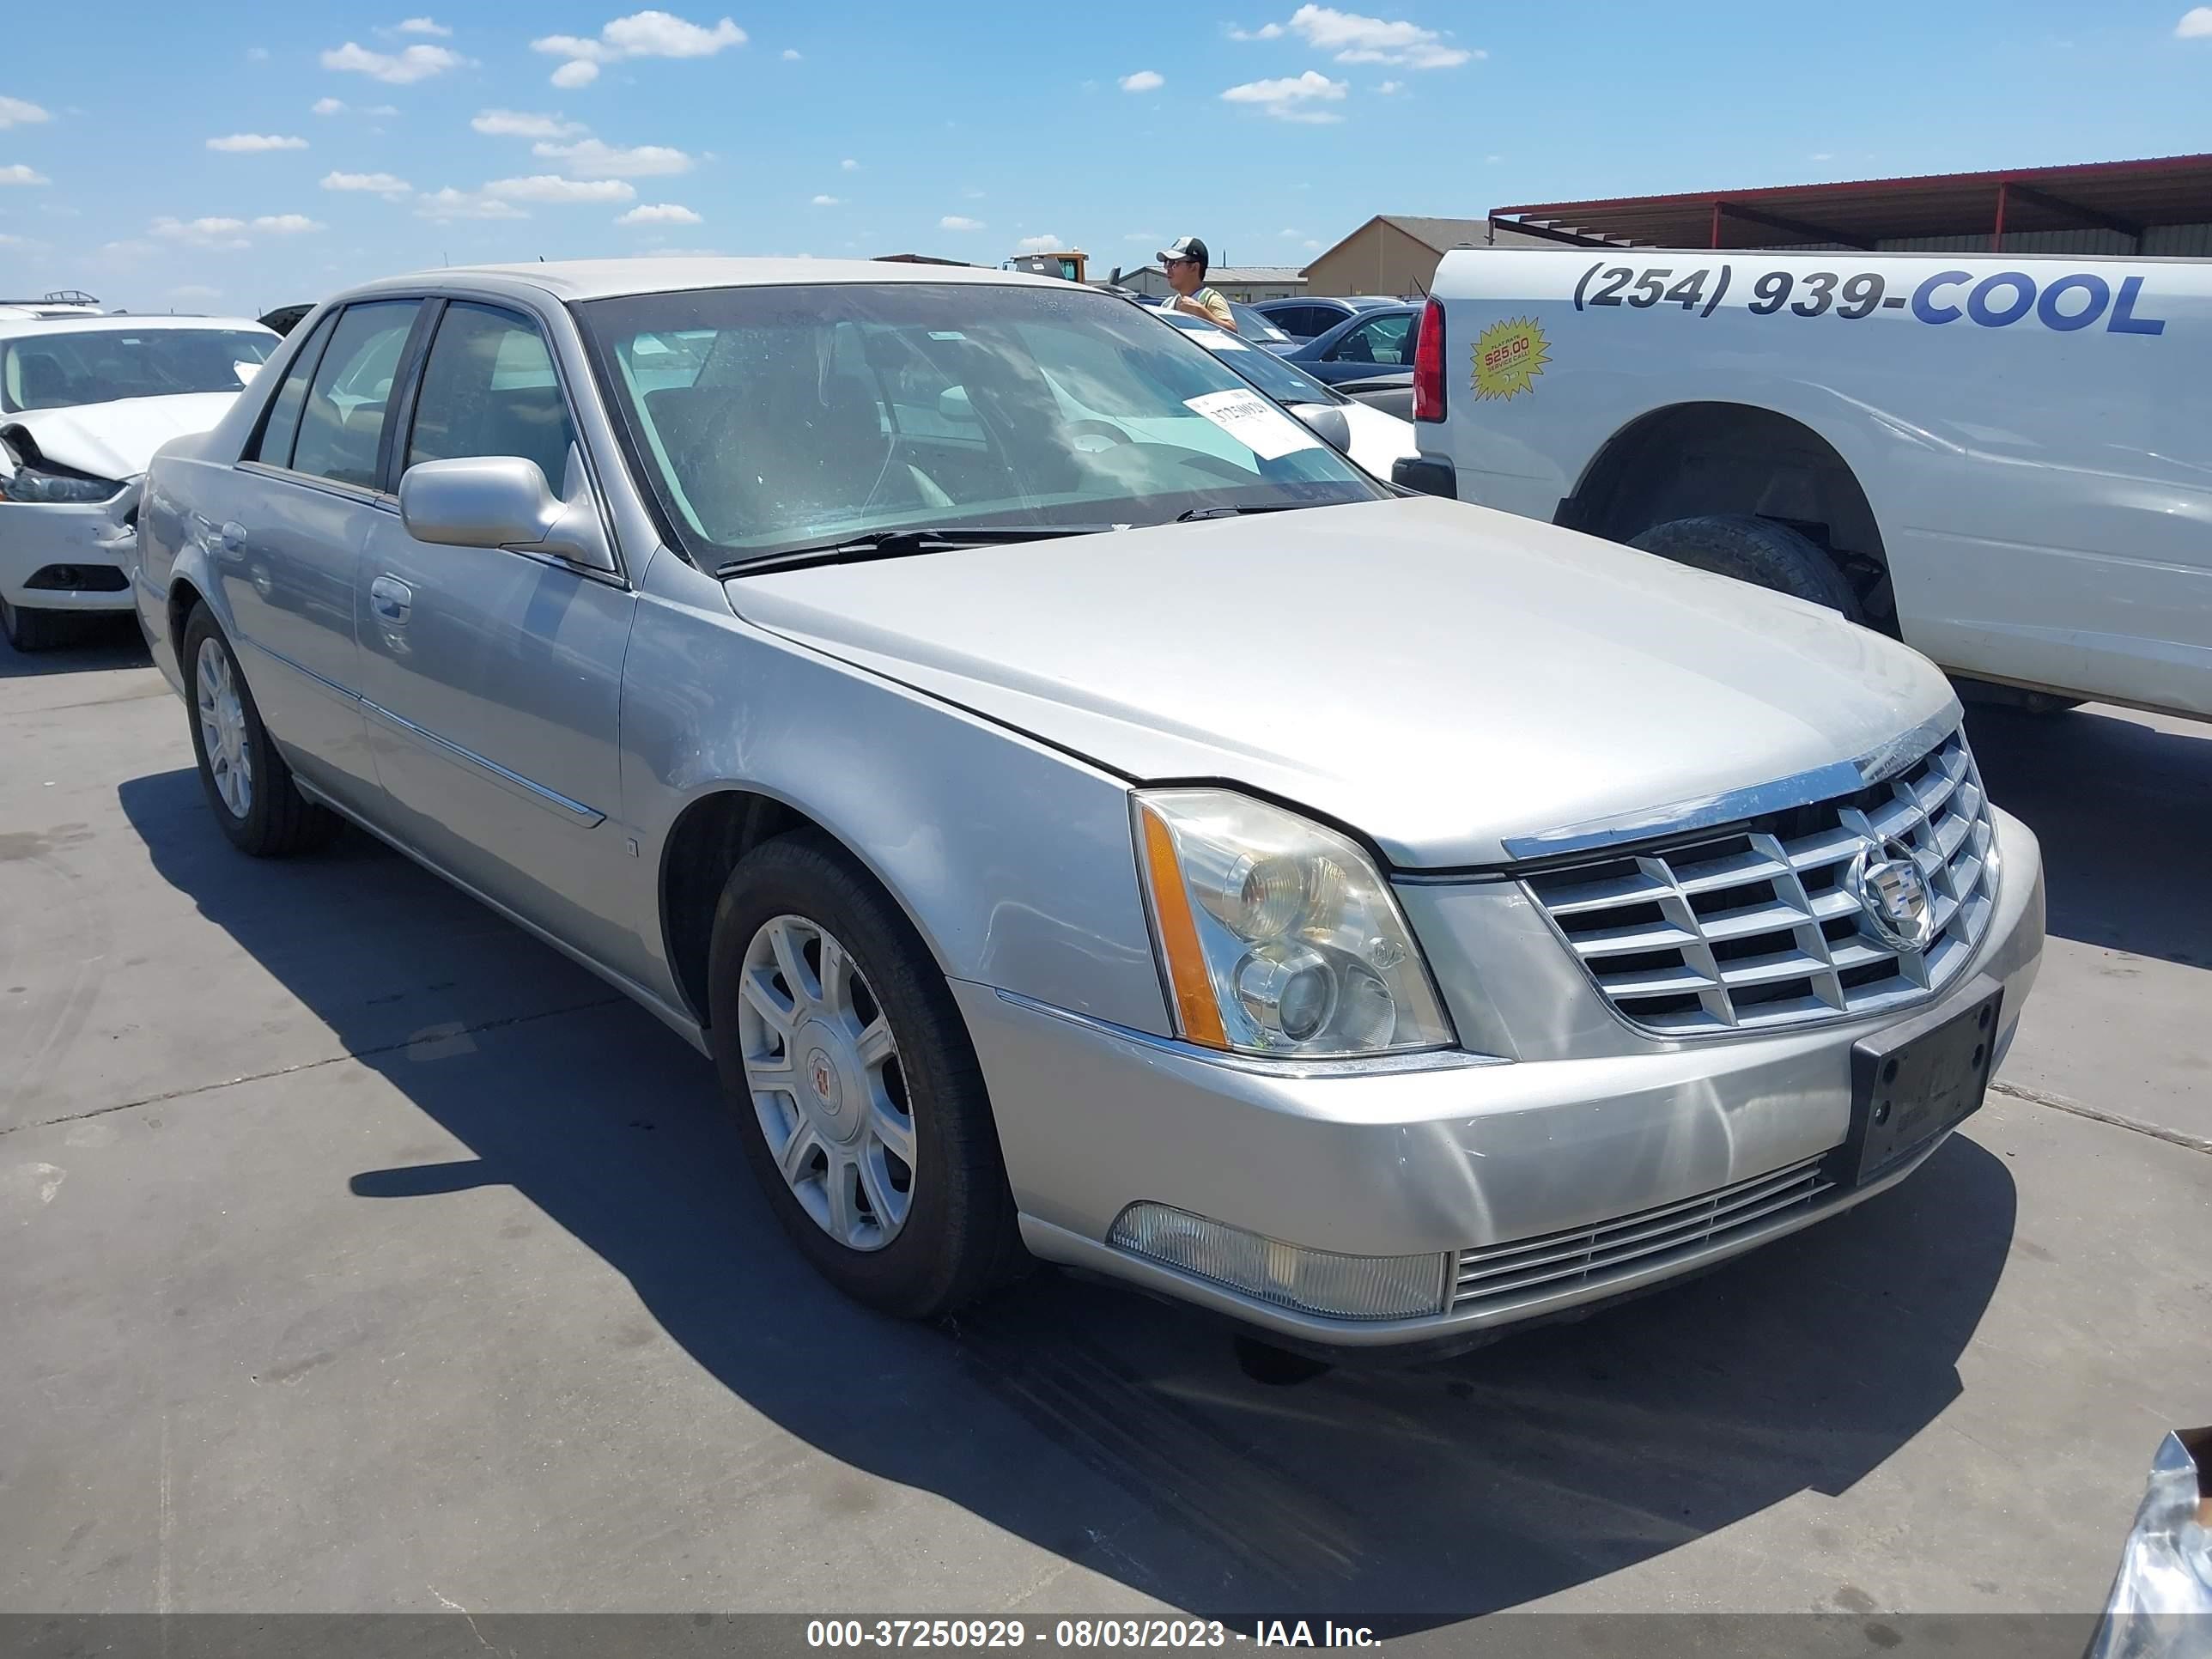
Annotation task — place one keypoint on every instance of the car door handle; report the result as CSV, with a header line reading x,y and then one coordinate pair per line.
x,y
391,598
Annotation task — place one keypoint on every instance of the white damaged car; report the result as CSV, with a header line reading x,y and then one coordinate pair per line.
x,y
84,403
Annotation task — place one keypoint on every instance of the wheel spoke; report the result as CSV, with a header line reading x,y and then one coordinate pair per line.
x,y
796,1152
771,1073
836,980
876,1044
792,963
840,1183
781,1017
886,1200
894,1129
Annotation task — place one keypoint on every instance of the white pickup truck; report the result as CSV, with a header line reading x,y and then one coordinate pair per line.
x,y
2003,460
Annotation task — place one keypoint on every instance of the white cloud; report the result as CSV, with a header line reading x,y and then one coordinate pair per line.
x,y
375,184
1143,81
660,213
1152,236
1830,155
521,123
849,164
790,55
1493,160
424,26
202,232
641,34
1357,40
588,158
255,55
1391,88
287,224
1264,32
2196,24
27,243
1290,235
973,195
411,63
17,173
249,143
546,187
828,201
329,107
1044,244
451,203
1291,98
1311,245
381,109
954,221
18,112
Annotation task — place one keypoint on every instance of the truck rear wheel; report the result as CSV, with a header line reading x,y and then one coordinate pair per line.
x,y
1756,550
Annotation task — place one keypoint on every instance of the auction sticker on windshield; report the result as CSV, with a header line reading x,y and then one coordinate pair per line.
x,y
1258,425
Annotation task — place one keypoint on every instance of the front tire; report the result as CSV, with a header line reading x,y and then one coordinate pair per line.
x,y
858,1093
1756,550
248,786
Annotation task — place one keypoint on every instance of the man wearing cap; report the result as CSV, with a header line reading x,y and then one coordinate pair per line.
x,y
1185,262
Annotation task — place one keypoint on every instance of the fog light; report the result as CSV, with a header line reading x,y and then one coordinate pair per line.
x,y
1288,1276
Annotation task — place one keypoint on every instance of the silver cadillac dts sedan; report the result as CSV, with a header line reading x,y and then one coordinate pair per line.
x,y
1081,815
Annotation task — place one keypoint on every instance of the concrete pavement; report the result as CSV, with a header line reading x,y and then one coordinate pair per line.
x,y
362,1254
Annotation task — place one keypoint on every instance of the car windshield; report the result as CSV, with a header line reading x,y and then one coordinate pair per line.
x,y
1285,382
769,419
67,367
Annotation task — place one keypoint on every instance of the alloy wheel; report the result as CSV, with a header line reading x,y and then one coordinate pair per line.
x,y
222,727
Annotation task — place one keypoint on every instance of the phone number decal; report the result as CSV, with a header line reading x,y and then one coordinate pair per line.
x,y
2077,300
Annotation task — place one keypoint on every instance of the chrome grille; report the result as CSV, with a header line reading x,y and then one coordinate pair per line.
x,y
1502,1273
1753,928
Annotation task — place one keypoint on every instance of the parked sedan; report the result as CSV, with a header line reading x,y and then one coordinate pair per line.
x,y
1310,316
84,402
1379,340
1135,839
1376,439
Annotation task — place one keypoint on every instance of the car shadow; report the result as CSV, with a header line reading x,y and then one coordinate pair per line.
x,y
97,641
1120,1433
2123,810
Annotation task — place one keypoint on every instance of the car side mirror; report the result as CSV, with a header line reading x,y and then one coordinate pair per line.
x,y
503,501
1326,421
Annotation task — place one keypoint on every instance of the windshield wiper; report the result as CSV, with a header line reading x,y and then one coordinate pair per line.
x,y
1197,512
904,543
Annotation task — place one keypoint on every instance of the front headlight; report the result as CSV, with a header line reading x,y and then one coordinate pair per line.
x,y
1279,937
35,484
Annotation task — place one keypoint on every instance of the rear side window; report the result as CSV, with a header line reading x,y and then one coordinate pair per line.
x,y
342,422
489,388
282,425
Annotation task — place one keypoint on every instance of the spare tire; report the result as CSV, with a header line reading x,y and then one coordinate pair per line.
x,y
1756,550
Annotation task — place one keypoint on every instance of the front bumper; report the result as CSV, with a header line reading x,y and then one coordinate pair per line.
x,y
100,540
1445,1157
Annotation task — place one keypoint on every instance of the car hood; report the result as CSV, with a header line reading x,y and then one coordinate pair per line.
x,y
115,439
1455,682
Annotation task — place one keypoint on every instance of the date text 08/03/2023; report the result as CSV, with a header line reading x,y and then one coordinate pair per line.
x,y
1085,1633
2073,300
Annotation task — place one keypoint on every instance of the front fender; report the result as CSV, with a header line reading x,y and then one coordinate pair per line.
x,y
1014,860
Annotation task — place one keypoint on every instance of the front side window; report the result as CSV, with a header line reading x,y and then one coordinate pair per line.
x,y
830,410
489,388
70,367
282,425
1379,340
343,424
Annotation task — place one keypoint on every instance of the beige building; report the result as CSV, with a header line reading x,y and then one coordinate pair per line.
x,y
1397,254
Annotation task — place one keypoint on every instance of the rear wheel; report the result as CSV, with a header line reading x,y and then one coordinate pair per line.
x,y
29,629
858,1094
247,783
1755,550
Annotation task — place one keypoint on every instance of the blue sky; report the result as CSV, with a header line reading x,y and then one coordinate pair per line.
x,y
241,159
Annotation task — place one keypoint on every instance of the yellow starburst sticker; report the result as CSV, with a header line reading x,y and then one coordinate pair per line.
x,y
1508,358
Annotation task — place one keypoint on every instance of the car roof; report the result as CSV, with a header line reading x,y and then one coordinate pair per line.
x,y
20,328
604,279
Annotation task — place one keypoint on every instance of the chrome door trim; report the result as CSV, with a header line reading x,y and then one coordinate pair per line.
x,y
571,811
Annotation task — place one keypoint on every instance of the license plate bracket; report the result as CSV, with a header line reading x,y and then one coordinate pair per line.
x,y
1915,1080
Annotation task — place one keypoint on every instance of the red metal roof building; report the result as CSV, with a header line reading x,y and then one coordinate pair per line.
x,y
2163,205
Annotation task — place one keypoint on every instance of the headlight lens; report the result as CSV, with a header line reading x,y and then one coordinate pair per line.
x,y
36,484
1279,937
